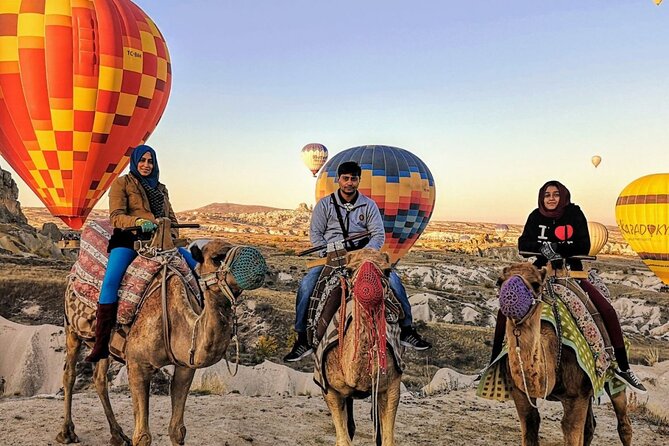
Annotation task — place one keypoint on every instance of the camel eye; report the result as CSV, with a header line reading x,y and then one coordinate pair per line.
x,y
218,259
536,287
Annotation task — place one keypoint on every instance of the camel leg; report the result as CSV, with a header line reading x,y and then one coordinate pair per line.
x,y
181,381
118,438
528,416
73,345
573,420
619,401
387,403
590,424
139,378
337,405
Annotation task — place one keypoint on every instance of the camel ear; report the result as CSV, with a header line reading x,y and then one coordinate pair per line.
x,y
196,252
543,273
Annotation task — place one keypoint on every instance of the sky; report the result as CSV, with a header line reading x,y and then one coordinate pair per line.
x,y
496,97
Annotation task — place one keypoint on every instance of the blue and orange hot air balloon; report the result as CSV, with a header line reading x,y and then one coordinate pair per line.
x,y
398,181
81,84
642,214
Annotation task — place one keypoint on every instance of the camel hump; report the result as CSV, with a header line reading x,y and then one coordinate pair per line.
x,y
356,258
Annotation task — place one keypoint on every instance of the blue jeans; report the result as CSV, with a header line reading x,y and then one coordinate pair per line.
x,y
401,293
188,257
308,284
304,292
119,260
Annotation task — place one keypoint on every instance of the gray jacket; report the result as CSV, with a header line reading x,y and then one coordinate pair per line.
x,y
363,215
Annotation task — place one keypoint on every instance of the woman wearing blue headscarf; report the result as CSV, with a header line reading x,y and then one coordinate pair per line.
x,y
135,199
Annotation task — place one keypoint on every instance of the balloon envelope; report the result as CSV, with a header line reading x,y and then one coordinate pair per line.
x,y
501,230
398,181
314,156
642,213
81,84
596,160
599,235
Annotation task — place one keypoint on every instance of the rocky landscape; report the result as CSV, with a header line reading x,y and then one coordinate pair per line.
x,y
450,275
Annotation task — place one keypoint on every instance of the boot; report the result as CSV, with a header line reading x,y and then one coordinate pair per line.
x,y
105,321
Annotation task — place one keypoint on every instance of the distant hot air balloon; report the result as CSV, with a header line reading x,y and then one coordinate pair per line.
x,y
599,235
657,2
596,160
642,213
81,84
400,184
314,156
501,230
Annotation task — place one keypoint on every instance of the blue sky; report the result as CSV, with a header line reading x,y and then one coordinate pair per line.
x,y
495,96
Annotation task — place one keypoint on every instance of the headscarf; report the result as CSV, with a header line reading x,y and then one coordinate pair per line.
x,y
565,200
149,183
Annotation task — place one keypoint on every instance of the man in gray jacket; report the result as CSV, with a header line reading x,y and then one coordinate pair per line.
x,y
358,214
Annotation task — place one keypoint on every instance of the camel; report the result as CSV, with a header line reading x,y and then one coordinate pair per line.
x,y
197,340
348,373
532,365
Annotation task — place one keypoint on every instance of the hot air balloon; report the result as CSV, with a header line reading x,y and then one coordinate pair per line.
x,y
599,235
400,184
81,84
314,156
501,230
642,213
596,160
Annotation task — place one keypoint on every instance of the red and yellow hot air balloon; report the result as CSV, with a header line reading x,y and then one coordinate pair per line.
x,y
314,155
599,235
642,213
398,181
81,84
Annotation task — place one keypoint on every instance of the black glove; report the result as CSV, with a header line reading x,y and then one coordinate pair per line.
x,y
548,251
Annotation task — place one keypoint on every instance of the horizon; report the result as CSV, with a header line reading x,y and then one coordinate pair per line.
x,y
495,98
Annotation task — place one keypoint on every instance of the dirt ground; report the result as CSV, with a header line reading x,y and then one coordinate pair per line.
x,y
457,417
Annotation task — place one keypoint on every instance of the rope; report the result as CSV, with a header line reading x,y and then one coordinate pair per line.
x,y
516,333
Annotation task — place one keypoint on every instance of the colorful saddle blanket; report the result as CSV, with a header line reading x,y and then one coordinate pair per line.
x,y
496,385
331,339
89,270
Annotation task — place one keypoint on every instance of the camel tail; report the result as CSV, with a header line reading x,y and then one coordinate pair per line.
x,y
350,422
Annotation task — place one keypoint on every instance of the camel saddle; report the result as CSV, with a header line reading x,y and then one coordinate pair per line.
x,y
326,300
85,282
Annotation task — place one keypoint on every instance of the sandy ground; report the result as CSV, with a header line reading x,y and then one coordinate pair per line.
x,y
457,417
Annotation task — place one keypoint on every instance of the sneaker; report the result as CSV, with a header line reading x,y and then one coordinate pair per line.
x,y
629,378
300,351
409,337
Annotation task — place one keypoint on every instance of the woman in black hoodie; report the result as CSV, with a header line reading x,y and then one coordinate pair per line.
x,y
558,230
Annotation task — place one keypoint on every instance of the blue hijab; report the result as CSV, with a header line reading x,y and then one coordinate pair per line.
x,y
152,179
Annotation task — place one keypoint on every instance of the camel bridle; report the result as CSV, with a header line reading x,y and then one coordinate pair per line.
x,y
211,282
537,296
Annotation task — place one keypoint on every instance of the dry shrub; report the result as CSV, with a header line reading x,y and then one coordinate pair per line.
x,y
651,356
640,410
266,347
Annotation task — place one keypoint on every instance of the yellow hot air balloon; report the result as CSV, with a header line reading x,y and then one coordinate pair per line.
x,y
314,156
501,230
642,213
657,2
595,160
599,235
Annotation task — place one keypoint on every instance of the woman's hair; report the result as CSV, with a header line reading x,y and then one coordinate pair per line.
x,y
565,199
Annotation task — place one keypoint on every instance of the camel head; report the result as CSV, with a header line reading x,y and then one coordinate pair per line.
x,y
520,289
222,264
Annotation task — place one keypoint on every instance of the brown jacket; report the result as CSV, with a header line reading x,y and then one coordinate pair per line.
x,y
128,202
